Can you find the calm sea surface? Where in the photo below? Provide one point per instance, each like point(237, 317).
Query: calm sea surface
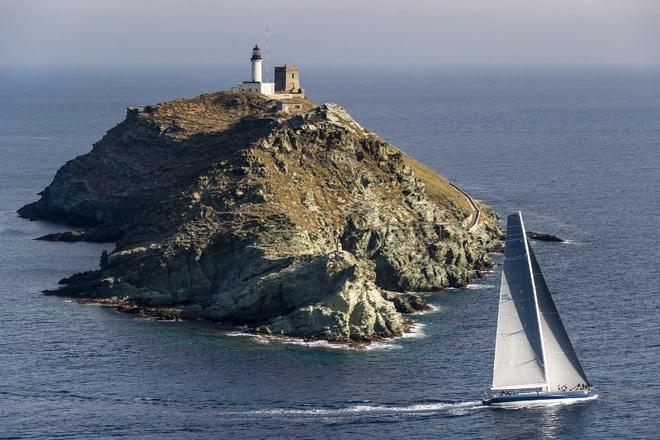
point(577, 151)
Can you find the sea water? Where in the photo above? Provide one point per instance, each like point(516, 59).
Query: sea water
point(577, 151)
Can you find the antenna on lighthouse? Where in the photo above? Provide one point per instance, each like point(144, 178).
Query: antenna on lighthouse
point(267, 43)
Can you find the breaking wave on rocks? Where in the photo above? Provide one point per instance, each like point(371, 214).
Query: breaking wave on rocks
point(286, 340)
point(479, 286)
point(415, 332)
point(430, 310)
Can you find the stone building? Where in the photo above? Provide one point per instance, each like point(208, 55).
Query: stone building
point(287, 79)
point(287, 107)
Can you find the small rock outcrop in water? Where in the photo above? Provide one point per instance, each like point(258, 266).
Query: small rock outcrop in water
point(540, 236)
point(297, 224)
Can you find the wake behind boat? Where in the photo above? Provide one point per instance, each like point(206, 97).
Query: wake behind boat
point(535, 363)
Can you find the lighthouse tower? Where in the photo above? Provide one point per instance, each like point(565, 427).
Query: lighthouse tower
point(256, 64)
point(256, 85)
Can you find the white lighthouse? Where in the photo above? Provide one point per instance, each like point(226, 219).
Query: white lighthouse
point(256, 85)
point(256, 64)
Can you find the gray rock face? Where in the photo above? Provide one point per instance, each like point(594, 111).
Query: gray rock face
point(339, 301)
point(305, 225)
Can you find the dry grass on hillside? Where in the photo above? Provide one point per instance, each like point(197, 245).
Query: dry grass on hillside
point(438, 189)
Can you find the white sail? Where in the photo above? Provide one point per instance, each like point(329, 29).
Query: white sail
point(518, 345)
point(563, 368)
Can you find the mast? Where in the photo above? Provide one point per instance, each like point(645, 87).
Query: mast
point(267, 50)
point(536, 303)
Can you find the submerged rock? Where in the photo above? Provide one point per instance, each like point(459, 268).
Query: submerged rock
point(302, 224)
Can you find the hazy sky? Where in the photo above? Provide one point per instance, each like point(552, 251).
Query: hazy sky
point(307, 32)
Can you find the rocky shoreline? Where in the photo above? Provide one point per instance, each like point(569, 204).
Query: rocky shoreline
point(304, 225)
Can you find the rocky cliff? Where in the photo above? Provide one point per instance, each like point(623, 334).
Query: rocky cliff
point(300, 224)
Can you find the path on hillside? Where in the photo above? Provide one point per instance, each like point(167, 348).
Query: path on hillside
point(476, 212)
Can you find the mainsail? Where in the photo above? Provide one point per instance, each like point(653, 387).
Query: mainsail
point(532, 348)
point(518, 348)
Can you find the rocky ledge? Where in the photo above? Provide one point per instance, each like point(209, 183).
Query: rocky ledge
point(300, 224)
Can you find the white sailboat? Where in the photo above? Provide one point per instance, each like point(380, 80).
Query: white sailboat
point(535, 363)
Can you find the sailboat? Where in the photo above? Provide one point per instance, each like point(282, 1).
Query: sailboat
point(535, 363)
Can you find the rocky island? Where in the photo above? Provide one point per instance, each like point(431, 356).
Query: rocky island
point(298, 223)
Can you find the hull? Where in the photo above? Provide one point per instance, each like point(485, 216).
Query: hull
point(526, 400)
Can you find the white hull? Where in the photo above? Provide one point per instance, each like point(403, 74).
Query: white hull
point(542, 402)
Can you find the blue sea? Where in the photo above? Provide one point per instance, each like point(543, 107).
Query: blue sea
point(576, 150)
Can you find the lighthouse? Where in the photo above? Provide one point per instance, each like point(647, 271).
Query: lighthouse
point(286, 85)
point(255, 85)
point(256, 64)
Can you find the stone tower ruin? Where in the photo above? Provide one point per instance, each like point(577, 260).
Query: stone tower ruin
point(287, 79)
